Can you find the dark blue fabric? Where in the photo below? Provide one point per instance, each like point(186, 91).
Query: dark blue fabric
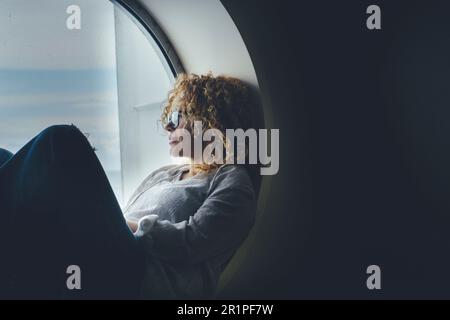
point(57, 209)
point(5, 155)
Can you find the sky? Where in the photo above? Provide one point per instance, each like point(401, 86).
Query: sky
point(33, 35)
point(52, 75)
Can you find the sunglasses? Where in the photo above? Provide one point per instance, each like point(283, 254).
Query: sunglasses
point(173, 120)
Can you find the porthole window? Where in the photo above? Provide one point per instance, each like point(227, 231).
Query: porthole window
point(95, 64)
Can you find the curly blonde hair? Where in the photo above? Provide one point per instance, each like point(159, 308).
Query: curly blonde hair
point(220, 102)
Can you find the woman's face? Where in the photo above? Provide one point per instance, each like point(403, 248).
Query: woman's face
point(176, 136)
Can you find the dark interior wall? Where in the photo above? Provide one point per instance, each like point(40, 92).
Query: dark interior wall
point(364, 120)
point(267, 271)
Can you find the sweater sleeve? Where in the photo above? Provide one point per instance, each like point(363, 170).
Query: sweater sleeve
point(220, 224)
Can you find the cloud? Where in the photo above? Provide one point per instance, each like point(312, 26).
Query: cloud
point(31, 81)
point(81, 100)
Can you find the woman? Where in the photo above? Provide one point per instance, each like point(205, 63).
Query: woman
point(174, 237)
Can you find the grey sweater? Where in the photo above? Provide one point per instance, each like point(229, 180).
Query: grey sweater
point(190, 228)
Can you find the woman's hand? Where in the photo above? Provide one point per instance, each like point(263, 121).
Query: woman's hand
point(132, 225)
